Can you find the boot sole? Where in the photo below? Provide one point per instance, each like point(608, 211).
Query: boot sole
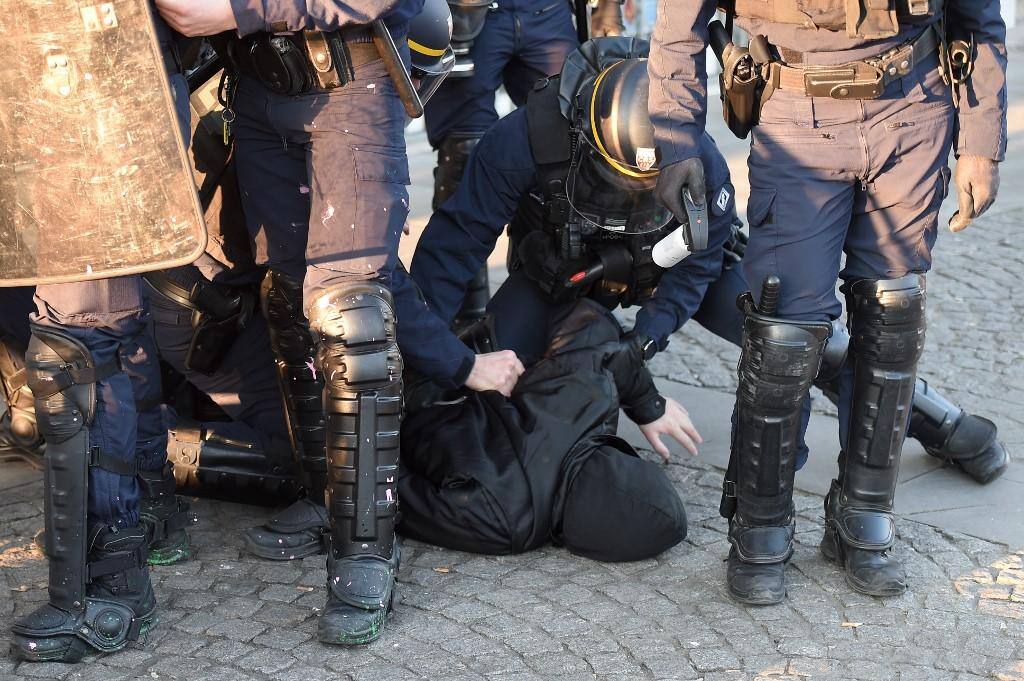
point(757, 600)
point(285, 555)
point(344, 638)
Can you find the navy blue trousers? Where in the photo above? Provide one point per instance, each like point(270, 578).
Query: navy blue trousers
point(521, 41)
point(110, 318)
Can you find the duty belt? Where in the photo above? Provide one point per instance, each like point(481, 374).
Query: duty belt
point(865, 79)
point(294, 63)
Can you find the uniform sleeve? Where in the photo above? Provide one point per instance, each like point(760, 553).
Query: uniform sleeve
point(678, 76)
point(981, 124)
point(426, 342)
point(276, 16)
point(463, 232)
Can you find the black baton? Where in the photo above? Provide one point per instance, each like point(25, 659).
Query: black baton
point(396, 69)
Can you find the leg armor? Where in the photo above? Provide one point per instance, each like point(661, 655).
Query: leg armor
point(99, 591)
point(452, 156)
point(779, 361)
point(887, 325)
point(358, 356)
point(297, 531)
point(967, 441)
point(207, 464)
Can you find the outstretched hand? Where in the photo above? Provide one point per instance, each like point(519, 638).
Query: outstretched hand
point(676, 423)
point(495, 371)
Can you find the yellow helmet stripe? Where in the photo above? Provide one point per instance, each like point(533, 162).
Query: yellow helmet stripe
point(625, 170)
point(423, 49)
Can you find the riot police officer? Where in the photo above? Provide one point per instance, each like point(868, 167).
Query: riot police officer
point(322, 168)
point(854, 124)
point(109, 499)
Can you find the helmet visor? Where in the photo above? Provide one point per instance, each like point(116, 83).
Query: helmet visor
point(429, 78)
point(611, 200)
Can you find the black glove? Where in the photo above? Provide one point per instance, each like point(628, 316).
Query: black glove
point(606, 20)
point(685, 176)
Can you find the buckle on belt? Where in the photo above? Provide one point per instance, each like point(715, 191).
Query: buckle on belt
point(857, 80)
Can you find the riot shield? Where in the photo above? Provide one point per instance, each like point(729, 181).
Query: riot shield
point(94, 181)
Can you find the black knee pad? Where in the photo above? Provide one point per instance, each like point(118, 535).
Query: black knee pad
point(619, 507)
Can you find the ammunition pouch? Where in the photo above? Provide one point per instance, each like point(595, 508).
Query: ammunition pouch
point(219, 313)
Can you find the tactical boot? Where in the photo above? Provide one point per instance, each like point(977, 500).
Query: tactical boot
point(755, 583)
point(120, 604)
point(947, 432)
point(360, 594)
point(973, 446)
point(165, 516)
point(298, 531)
point(869, 571)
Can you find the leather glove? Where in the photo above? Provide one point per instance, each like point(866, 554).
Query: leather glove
point(977, 183)
point(685, 175)
point(606, 20)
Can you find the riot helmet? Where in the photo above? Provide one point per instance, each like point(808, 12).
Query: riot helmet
point(430, 49)
point(614, 165)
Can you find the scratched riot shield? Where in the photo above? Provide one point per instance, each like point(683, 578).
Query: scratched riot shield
point(94, 181)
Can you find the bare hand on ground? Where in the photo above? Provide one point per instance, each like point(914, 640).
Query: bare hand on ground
point(675, 423)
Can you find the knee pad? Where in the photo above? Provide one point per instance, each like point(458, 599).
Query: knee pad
point(618, 507)
point(356, 327)
point(281, 304)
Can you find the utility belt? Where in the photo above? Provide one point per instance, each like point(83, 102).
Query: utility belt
point(750, 76)
point(219, 313)
point(297, 63)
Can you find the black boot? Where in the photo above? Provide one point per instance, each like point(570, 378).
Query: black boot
point(165, 516)
point(779, 361)
point(120, 605)
point(300, 529)
point(887, 325)
point(100, 596)
point(947, 432)
point(359, 358)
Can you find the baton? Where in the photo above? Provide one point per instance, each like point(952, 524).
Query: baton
point(396, 69)
point(582, 21)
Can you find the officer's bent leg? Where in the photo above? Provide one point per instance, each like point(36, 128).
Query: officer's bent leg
point(100, 595)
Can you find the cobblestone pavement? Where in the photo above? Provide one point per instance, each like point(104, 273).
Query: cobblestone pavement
point(549, 615)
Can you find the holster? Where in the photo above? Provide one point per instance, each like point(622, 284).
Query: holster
point(741, 92)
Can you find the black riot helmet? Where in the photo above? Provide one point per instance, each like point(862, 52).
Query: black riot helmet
point(430, 37)
point(614, 166)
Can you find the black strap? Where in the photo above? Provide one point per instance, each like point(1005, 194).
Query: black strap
point(116, 564)
point(69, 375)
point(100, 459)
point(551, 144)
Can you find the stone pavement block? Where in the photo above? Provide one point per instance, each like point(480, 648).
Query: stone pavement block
point(237, 629)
